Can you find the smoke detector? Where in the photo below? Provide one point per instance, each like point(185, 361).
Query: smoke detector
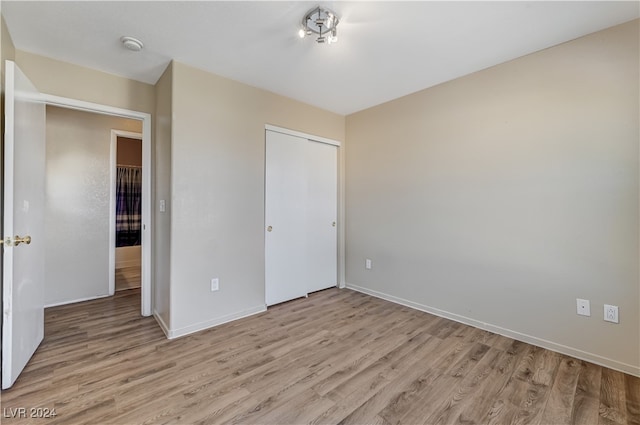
point(132, 44)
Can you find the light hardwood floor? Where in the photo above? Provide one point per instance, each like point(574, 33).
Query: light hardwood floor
point(337, 357)
point(128, 278)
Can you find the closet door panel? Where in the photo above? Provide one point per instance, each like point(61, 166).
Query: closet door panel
point(286, 206)
point(322, 198)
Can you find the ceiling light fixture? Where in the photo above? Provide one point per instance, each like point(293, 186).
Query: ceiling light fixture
point(320, 21)
point(132, 44)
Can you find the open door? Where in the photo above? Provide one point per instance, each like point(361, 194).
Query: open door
point(23, 244)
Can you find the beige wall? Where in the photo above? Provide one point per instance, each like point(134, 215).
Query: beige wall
point(7, 50)
point(58, 78)
point(218, 192)
point(162, 191)
point(77, 216)
point(501, 197)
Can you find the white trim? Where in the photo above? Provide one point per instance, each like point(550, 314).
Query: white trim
point(127, 134)
point(147, 224)
point(162, 324)
point(550, 345)
point(342, 262)
point(176, 333)
point(301, 134)
point(81, 105)
point(79, 300)
point(113, 165)
point(7, 254)
point(113, 155)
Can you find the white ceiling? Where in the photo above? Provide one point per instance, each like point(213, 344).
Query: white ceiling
point(385, 49)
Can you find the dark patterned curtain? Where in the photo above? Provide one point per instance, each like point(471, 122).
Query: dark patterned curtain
point(128, 206)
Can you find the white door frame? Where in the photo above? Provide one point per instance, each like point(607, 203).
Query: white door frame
point(113, 165)
point(341, 192)
point(147, 224)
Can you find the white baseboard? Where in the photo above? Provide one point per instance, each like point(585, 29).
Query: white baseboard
point(161, 322)
point(176, 333)
point(79, 300)
point(563, 349)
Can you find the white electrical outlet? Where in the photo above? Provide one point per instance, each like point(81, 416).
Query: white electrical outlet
point(611, 313)
point(215, 284)
point(583, 307)
point(367, 264)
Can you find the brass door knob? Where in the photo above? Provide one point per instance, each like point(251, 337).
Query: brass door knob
point(15, 241)
point(18, 240)
point(269, 228)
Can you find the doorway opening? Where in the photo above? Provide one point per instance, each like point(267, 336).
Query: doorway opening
point(143, 134)
point(126, 204)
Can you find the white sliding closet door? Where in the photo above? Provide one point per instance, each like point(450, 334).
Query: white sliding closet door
point(322, 173)
point(286, 218)
point(300, 212)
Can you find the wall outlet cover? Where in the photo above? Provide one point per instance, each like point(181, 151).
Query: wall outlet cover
point(583, 307)
point(611, 313)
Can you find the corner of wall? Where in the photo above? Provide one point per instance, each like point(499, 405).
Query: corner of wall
point(163, 92)
point(490, 198)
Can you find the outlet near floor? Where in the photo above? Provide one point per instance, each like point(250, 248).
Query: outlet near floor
point(215, 284)
point(611, 313)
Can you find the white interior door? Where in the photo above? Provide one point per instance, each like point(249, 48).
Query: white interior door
point(24, 195)
point(322, 213)
point(285, 218)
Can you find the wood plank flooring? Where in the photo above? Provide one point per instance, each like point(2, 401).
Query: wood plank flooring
point(128, 278)
point(337, 357)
